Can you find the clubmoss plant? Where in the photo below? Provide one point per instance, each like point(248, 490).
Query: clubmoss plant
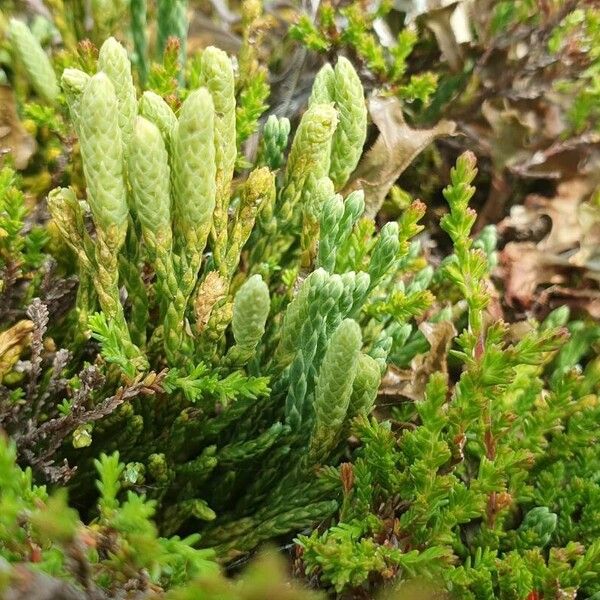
point(213, 366)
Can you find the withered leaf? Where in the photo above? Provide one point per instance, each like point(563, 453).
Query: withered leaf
point(28, 584)
point(212, 290)
point(393, 151)
point(410, 383)
point(511, 129)
point(440, 336)
point(448, 32)
point(565, 258)
point(12, 342)
point(526, 268)
point(564, 210)
point(564, 159)
point(14, 139)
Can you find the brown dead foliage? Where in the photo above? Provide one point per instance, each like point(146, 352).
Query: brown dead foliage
point(543, 177)
point(395, 148)
point(14, 139)
point(410, 383)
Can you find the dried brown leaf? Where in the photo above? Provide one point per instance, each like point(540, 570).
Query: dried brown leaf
point(14, 139)
point(565, 211)
point(212, 290)
point(566, 255)
point(27, 584)
point(411, 383)
point(511, 131)
point(563, 159)
point(395, 148)
point(12, 342)
point(525, 268)
point(445, 29)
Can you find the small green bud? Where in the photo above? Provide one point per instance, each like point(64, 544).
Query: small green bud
point(82, 436)
point(354, 207)
point(361, 289)
point(333, 210)
point(381, 349)
point(251, 306)
point(133, 473)
point(74, 82)
point(297, 311)
point(158, 468)
point(323, 89)
point(365, 386)
point(274, 142)
point(334, 389)
point(537, 528)
point(155, 109)
point(385, 253)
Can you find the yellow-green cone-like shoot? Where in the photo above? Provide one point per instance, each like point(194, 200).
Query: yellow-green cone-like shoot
point(250, 310)
point(309, 155)
point(312, 137)
point(155, 109)
point(152, 107)
point(334, 389)
point(258, 191)
point(365, 386)
point(297, 313)
point(113, 60)
point(351, 132)
point(149, 178)
point(195, 169)
point(323, 89)
point(34, 59)
point(218, 78)
point(102, 153)
point(342, 86)
point(74, 82)
point(313, 206)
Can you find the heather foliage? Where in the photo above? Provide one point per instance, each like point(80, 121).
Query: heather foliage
point(466, 483)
